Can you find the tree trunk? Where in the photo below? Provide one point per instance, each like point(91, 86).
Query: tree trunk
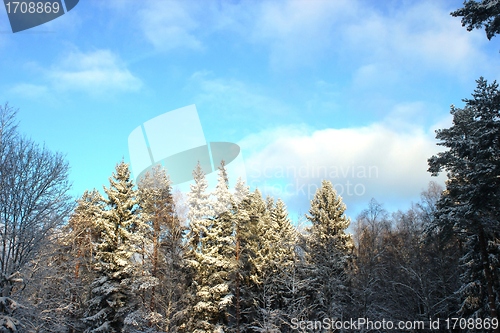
point(237, 282)
point(487, 274)
point(154, 273)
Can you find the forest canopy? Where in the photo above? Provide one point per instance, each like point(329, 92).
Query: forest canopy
point(143, 258)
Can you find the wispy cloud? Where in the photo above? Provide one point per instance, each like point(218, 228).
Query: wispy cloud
point(28, 90)
point(98, 72)
point(419, 37)
point(234, 92)
point(237, 101)
point(170, 25)
point(299, 32)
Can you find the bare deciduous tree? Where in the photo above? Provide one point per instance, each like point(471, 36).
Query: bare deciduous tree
point(33, 199)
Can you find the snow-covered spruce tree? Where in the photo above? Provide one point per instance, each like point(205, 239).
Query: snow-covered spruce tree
point(280, 296)
point(199, 211)
point(470, 206)
point(240, 216)
point(282, 237)
point(241, 191)
point(479, 14)
point(252, 220)
point(210, 255)
point(222, 197)
point(117, 251)
point(329, 251)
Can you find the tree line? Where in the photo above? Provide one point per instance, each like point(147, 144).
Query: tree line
point(139, 259)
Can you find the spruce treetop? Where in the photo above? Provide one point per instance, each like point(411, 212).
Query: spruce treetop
point(473, 158)
point(121, 186)
point(199, 206)
point(327, 210)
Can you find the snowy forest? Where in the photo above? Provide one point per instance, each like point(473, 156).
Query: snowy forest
point(141, 257)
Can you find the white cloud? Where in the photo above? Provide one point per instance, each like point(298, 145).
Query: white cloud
point(233, 92)
point(29, 90)
point(40, 93)
point(416, 35)
point(419, 37)
point(170, 24)
point(299, 32)
point(363, 162)
point(237, 102)
point(98, 72)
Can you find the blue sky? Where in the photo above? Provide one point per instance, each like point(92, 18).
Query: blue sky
point(346, 90)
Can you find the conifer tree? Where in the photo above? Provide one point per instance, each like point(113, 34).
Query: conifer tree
point(252, 220)
point(211, 242)
point(200, 209)
point(470, 206)
point(121, 236)
point(476, 15)
point(279, 297)
point(329, 250)
point(282, 236)
point(241, 218)
point(223, 198)
point(241, 191)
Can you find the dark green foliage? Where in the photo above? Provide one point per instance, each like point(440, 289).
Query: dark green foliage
point(469, 209)
point(476, 15)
